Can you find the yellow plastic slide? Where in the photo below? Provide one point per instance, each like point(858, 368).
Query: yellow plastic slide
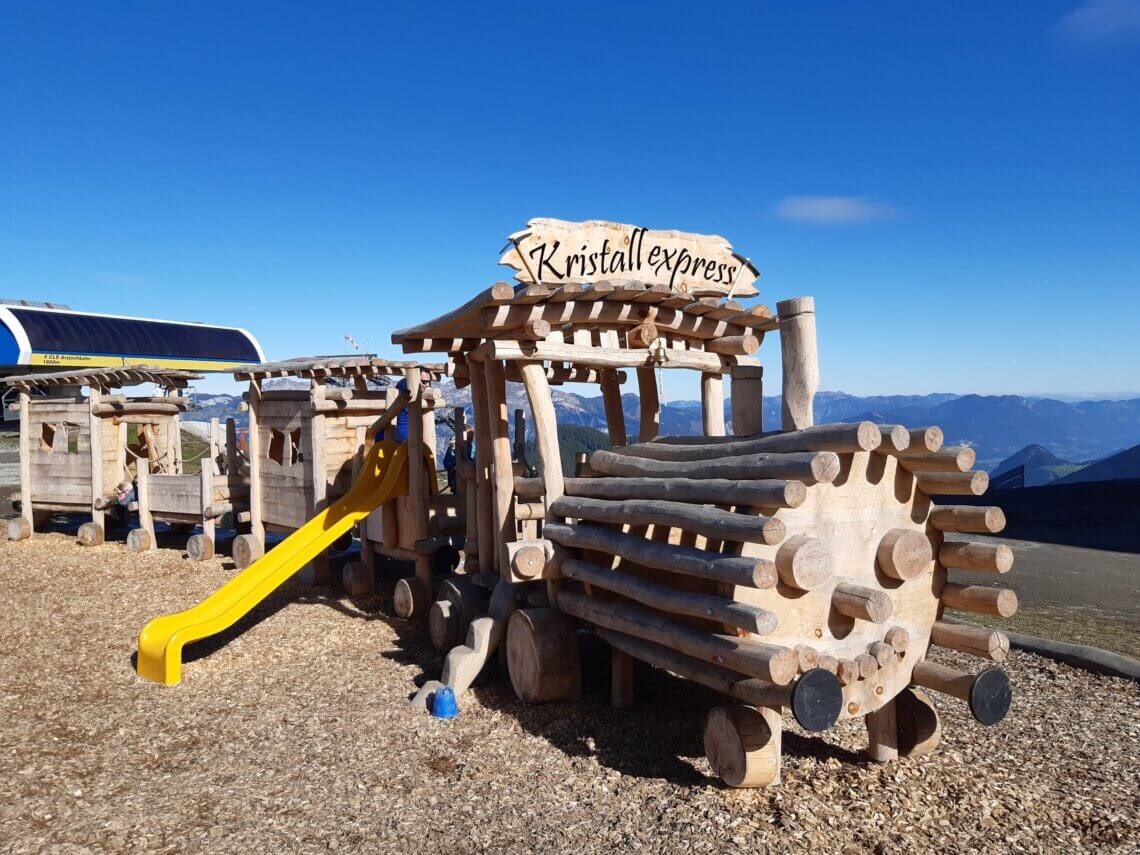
point(383, 477)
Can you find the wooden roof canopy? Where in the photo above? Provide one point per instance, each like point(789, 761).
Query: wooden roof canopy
point(654, 317)
point(317, 368)
point(108, 378)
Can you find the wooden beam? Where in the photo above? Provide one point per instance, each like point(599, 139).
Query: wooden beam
point(712, 404)
point(704, 520)
point(755, 658)
point(688, 561)
point(809, 467)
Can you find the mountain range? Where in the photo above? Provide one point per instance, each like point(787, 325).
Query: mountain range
point(998, 427)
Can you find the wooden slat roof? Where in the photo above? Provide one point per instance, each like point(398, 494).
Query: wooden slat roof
point(108, 378)
point(333, 366)
point(503, 309)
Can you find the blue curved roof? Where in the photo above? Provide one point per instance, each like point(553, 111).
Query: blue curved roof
point(31, 335)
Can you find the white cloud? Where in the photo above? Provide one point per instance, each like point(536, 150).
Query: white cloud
point(831, 210)
point(1096, 21)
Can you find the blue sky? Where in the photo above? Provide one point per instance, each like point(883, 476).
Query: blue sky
point(958, 185)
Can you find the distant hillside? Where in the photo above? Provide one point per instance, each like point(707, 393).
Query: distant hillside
point(997, 427)
point(1041, 465)
point(1118, 467)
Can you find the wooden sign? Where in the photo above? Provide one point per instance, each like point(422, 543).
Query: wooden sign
point(556, 252)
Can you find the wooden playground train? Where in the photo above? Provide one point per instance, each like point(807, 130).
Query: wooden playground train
point(803, 569)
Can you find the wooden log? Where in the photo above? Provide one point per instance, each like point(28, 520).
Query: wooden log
point(952, 483)
point(800, 356)
point(904, 554)
point(527, 558)
point(746, 400)
point(884, 654)
point(919, 730)
point(840, 438)
point(648, 403)
point(484, 498)
point(766, 493)
point(621, 679)
point(979, 600)
point(985, 557)
point(856, 601)
point(868, 665)
point(98, 488)
point(815, 699)
point(444, 625)
point(500, 292)
point(533, 330)
point(742, 745)
point(546, 433)
point(742, 615)
point(813, 467)
point(728, 569)
point(358, 579)
point(988, 693)
point(896, 439)
point(883, 733)
point(712, 404)
point(246, 549)
point(971, 519)
point(528, 511)
point(502, 472)
point(598, 357)
point(217, 509)
point(807, 658)
point(922, 441)
point(766, 661)
point(139, 540)
point(19, 528)
point(542, 656)
point(90, 534)
point(804, 563)
point(199, 548)
point(983, 642)
point(411, 598)
point(27, 512)
point(848, 672)
point(898, 638)
point(956, 458)
point(829, 663)
point(138, 408)
point(708, 521)
point(611, 399)
point(734, 345)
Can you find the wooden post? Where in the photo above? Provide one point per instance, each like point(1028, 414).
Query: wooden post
point(747, 400)
point(800, 361)
point(257, 527)
point(418, 492)
point(546, 432)
point(95, 426)
point(215, 450)
point(206, 479)
point(502, 472)
point(314, 463)
point(883, 733)
point(712, 403)
point(621, 679)
point(146, 521)
point(233, 464)
point(485, 518)
point(611, 399)
point(174, 443)
point(26, 458)
point(650, 405)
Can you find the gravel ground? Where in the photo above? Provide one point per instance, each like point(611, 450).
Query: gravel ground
point(294, 734)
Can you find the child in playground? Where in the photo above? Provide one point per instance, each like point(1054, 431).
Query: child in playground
point(119, 510)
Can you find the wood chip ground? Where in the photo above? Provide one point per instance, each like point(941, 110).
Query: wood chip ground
point(295, 735)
